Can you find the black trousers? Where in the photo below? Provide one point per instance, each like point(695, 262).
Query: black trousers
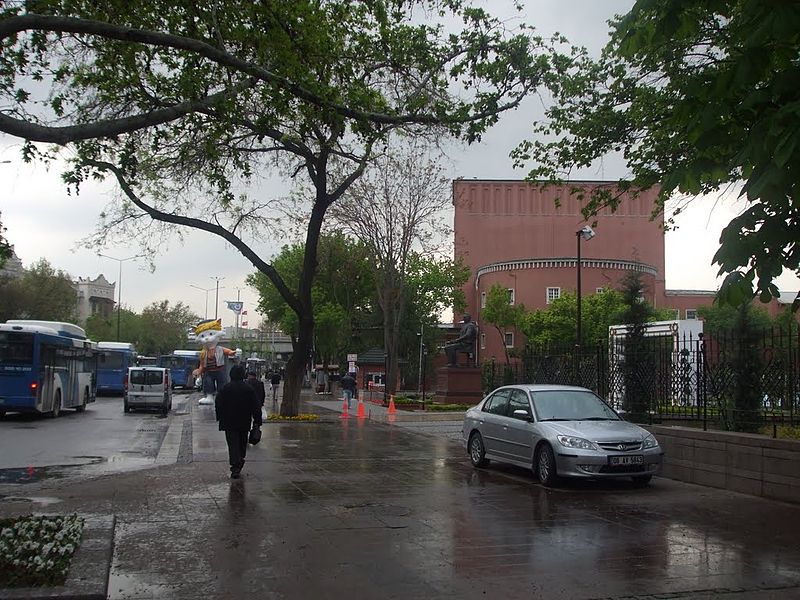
point(237, 448)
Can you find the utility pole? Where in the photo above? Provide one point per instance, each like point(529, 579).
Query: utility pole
point(216, 298)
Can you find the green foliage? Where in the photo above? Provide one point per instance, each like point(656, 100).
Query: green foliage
point(159, 329)
point(742, 411)
point(696, 96)
point(5, 247)
point(723, 318)
point(343, 292)
point(42, 293)
point(499, 312)
point(638, 367)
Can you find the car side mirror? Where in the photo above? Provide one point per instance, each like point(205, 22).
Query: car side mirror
point(523, 415)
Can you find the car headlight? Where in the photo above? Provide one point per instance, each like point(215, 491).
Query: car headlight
point(576, 442)
point(650, 442)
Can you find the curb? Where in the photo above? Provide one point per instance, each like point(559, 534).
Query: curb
point(88, 573)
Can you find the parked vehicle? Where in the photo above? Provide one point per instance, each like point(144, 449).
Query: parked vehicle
point(114, 359)
point(148, 387)
point(45, 366)
point(146, 361)
point(181, 363)
point(558, 431)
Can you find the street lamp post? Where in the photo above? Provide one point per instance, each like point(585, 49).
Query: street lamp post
point(421, 363)
point(216, 300)
point(585, 233)
point(206, 290)
point(119, 285)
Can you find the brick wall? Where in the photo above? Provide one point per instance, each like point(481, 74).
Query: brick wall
point(740, 462)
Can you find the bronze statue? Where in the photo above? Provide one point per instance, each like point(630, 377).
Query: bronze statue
point(465, 342)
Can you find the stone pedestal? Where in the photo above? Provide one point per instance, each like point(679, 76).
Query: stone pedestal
point(458, 385)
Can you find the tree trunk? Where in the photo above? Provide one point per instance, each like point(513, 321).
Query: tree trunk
point(295, 369)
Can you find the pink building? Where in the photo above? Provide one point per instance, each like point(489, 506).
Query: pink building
point(513, 233)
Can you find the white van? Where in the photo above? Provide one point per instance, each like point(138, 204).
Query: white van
point(148, 387)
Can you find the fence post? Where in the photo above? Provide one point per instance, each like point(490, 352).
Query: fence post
point(702, 374)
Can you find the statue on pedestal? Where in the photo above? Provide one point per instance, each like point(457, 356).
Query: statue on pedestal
point(465, 342)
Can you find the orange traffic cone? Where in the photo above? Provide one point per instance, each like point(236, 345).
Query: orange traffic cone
point(361, 414)
point(345, 410)
point(392, 409)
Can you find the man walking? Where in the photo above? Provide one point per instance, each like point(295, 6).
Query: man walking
point(237, 410)
point(258, 386)
point(275, 381)
point(348, 387)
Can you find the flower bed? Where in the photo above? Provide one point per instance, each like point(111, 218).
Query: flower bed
point(447, 407)
point(36, 551)
point(300, 417)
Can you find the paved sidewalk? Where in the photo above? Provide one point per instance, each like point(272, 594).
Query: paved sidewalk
point(349, 508)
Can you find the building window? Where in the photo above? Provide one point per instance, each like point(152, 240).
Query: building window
point(510, 295)
point(553, 293)
point(509, 339)
point(599, 290)
point(483, 341)
point(483, 299)
point(691, 313)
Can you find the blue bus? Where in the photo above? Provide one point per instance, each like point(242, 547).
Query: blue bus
point(113, 360)
point(45, 366)
point(181, 363)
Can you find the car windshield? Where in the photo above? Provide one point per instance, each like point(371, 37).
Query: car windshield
point(571, 405)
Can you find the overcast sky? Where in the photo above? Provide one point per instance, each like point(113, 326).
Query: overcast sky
point(44, 222)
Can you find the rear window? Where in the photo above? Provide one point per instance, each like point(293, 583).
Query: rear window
point(146, 377)
point(16, 348)
point(111, 360)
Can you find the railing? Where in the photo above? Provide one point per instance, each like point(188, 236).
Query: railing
point(725, 381)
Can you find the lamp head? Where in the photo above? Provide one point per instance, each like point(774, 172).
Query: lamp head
point(586, 233)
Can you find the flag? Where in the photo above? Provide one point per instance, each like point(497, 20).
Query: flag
point(244, 323)
point(244, 313)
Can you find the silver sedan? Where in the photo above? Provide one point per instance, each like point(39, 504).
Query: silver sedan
point(558, 430)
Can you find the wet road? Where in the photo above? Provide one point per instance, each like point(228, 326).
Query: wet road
point(343, 509)
point(103, 439)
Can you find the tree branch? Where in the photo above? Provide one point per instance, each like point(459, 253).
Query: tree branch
point(216, 229)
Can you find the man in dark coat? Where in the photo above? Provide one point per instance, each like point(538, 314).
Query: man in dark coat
point(254, 382)
point(348, 387)
point(237, 411)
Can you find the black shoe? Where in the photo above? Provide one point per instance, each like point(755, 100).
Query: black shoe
point(235, 474)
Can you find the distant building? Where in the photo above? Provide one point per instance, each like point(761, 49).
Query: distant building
point(95, 297)
point(12, 268)
point(515, 234)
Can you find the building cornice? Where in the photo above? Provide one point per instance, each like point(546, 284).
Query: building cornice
point(564, 263)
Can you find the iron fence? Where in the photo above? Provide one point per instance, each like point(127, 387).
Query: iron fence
point(719, 380)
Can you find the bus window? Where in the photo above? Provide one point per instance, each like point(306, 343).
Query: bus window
point(16, 348)
point(111, 360)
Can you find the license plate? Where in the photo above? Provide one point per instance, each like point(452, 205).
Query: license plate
point(636, 459)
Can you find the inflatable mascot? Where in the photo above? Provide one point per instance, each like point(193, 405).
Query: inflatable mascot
point(212, 358)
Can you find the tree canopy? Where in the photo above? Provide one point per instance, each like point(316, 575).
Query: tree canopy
point(188, 105)
point(42, 293)
point(696, 96)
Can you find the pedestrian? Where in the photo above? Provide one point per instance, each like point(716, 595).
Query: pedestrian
point(237, 410)
point(275, 381)
point(348, 383)
point(258, 386)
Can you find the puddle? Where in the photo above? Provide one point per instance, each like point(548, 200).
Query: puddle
point(42, 500)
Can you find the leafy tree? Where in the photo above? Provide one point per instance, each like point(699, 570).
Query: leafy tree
point(342, 293)
point(742, 410)
point(501, 313)
point(104, 329)
point(41, 293)
point(696, 96)
point(163, 327)
point(725, 318)
point(638, 366)
point(187, 104)
point(5, 247)
point(396, 206)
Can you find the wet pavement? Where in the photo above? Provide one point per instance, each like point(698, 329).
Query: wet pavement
point(348, 508)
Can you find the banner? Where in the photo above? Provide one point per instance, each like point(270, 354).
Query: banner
point(235, 306)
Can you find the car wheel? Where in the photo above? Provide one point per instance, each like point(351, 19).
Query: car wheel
point(56, 405)
point(546, 466)
point(477, 453)
point(125, 406)
point(642, 480)
point(83, 404)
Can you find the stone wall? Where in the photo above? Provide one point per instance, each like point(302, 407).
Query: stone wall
point(740, 462)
